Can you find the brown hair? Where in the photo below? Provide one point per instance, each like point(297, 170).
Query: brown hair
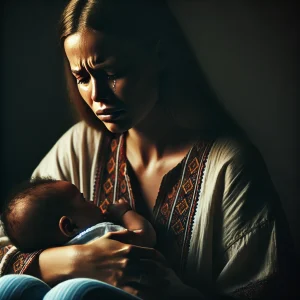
point(151, 24)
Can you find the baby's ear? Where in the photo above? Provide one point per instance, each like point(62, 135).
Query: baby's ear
point(67, 226)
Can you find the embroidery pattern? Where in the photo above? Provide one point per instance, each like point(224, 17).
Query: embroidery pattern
point(99, 171)
point(177, 223)
point(176, 206)
point(114, 184)
point(15, 262)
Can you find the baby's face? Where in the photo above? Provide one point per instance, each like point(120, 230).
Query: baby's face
point(84, 213)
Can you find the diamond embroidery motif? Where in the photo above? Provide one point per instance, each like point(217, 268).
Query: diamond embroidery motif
point(107, 186)
point(123, 186)
point(172, 193)
point(182, 206)
point(188, 186)
point(165, 208)
point(110, 165)
point(122, 169)
point(104, 205)
point(18, 264)
point(193, 166)
point(177, 227)
point(113, 145)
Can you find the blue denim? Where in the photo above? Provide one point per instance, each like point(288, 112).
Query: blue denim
point(23, 287)
point(26, 287)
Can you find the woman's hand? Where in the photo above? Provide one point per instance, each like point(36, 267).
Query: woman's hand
point(137, 270)
point(110, 259)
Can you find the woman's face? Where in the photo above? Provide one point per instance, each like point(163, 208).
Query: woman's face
point(115, 78)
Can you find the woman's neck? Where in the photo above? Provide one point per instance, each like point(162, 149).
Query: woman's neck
point(157, 137)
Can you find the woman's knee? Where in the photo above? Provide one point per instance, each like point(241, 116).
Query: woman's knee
point(85, 288)
point(22, 287)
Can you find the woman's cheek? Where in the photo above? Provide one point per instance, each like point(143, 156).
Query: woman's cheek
point(84, 94)
point(127, 90)
point(120, 90)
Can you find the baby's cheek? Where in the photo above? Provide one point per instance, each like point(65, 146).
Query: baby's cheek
point(94, 214)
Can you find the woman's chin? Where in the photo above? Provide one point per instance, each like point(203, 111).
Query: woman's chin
point(116, 128)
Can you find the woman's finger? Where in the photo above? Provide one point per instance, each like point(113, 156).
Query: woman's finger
point(137, 252)
point(124, 236)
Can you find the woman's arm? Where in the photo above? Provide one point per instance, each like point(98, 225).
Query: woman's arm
point(106, 259)
point(250, 247)
point(240, 246)
point(54, 265)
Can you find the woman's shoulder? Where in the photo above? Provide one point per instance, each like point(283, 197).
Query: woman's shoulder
point(238, 150)
point(82, 131)
point(74, 155)
point(80, 135)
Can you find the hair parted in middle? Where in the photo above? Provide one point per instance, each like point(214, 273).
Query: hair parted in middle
point(151, 25)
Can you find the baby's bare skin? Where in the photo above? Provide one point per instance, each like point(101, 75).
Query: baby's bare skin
point(122, 213)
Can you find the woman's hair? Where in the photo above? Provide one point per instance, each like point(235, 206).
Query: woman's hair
point(150, 24)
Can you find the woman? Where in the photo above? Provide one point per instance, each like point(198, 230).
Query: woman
point(154, 134)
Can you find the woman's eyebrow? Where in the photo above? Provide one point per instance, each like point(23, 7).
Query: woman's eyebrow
point(103, 65)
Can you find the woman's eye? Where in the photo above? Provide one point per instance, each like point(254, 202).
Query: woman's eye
point(112, 76)
point(82, 80)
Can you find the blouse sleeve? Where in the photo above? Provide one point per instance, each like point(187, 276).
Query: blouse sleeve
point(73, 158)
point(240, 246)
point(253, 257)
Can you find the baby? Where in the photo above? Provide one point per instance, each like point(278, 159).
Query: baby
point(46, 213)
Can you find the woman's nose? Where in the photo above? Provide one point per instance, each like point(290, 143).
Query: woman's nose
point(100, 90)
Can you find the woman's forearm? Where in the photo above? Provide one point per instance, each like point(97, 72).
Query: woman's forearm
point(54, 265)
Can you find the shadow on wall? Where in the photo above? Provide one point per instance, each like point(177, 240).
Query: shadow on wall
point(34, 106)
point(248, 50)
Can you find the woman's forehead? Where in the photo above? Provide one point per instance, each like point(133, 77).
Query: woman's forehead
point(87, 45)
point(96, 47)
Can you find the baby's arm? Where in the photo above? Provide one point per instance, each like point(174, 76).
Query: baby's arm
point(122, 213)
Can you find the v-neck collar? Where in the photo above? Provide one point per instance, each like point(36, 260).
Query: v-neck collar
point(175, 207)
point(167, 177)
point(116, 174)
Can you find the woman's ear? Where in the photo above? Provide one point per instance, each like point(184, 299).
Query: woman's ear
point(67, 226)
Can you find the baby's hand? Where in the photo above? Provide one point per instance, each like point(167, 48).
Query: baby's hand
point(117, 210)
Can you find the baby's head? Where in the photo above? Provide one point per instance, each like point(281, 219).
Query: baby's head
point(44, 213)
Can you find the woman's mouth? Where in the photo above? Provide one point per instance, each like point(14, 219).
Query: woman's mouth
point(109, 115)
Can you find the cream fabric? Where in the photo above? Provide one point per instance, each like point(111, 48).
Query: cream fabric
point(233, 238)
point(74, 158)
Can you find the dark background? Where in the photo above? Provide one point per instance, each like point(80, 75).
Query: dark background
point(248, 49)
